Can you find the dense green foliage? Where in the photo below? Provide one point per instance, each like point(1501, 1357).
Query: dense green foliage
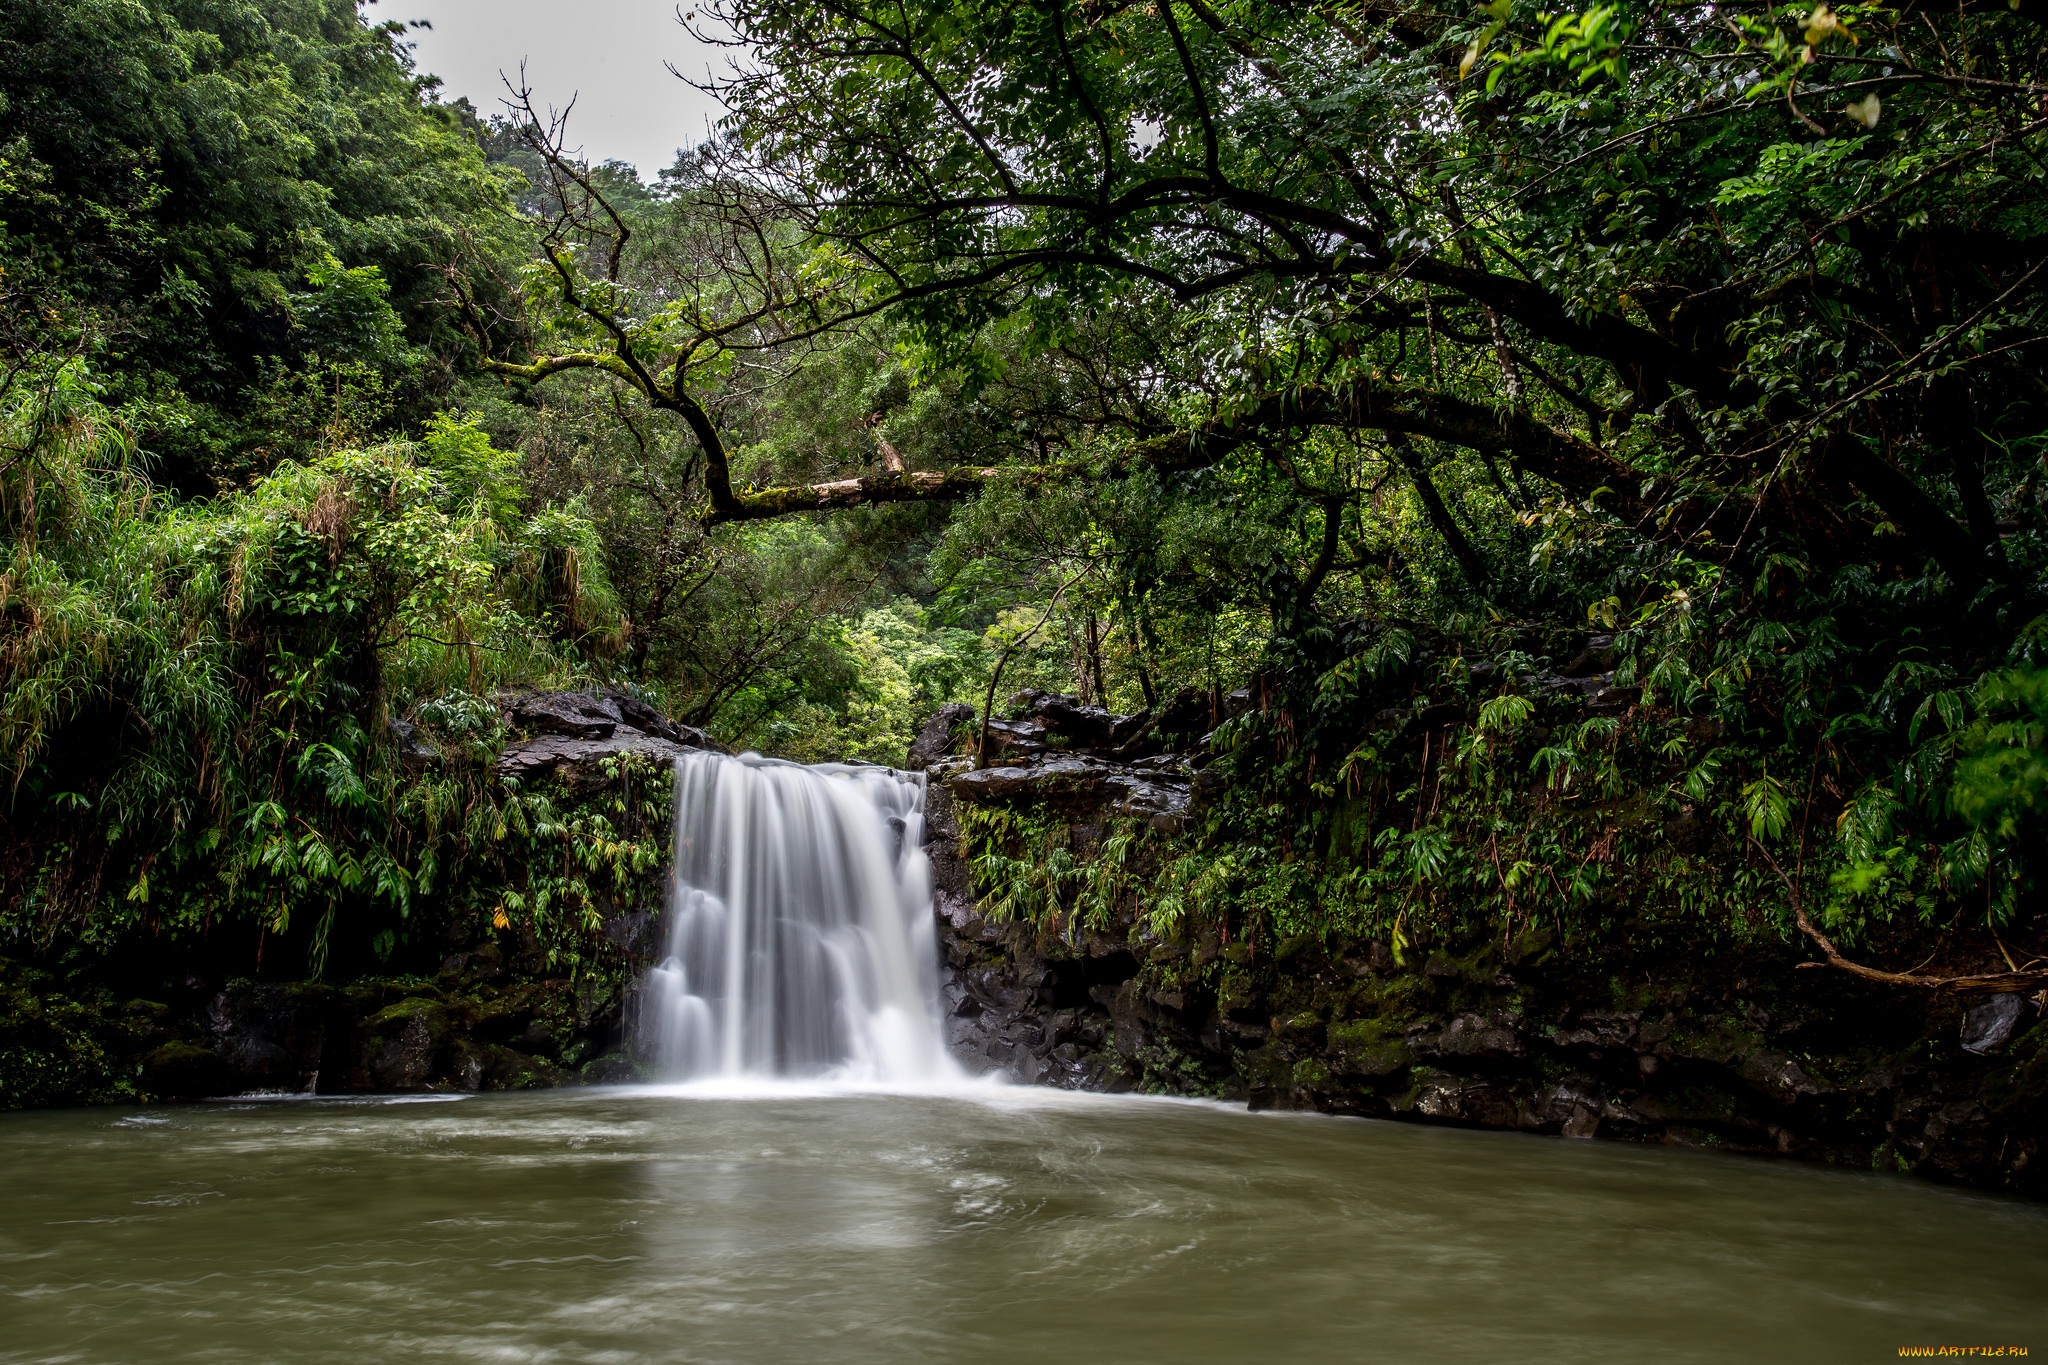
point(1374, 360)
point(177, 183)
point(1718, 330)
point(207, 682)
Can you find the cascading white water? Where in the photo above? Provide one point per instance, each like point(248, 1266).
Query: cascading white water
point(801, 941)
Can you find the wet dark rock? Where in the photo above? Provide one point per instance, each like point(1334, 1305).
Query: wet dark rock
point(1014, 738)
point(638, 934)
point(580, 760)
point(1588, 689)
point(579, 730)
point(1454, 1038)
point(1125, 730)
point(1083, 726)
point(1066, 723)
point(1457, 1099)
point(1616, 698)
point(1082, 787)
point(1362, 1048)
point(415, 750)
point(1184, 716)
point(1596, 657)
point(1778, 1076)
point(404, 1059)
point(1472, 1035)
point(487, 963)
point(459, 1033)
point(940, 736)
point(1062, 779)
point(574, 714)
point(1988, 1027)
point(637, 714)
point(1570, 1108)
point(182, 1071)
point(1597, 1029)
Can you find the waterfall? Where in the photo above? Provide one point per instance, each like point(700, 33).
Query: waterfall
point(800, 938)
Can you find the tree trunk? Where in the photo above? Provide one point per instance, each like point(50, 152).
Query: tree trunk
point(1469, 559)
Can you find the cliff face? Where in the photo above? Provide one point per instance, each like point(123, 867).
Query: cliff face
point(482, 1023)
point(1736, 1049)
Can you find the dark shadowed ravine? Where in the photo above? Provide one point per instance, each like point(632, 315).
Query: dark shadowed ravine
point(986, 1225)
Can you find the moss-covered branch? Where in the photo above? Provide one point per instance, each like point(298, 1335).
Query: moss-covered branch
point(547, 365)
point(899, 486)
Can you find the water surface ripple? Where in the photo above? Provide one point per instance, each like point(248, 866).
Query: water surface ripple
point(997, 1226)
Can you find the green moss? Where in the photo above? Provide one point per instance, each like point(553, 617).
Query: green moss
point(1310, 1074)
point(57, 1047)
point(1369, 1047)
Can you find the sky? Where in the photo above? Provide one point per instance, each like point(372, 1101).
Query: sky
point(608, 54)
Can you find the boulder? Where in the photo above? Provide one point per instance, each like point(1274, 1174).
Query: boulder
point(1573, 1108)
point(1454, 1099)
point(415, 751)
point(1989, 1026)
point(577, 715)
point(1015, 738)
point(1065, 778)
point(182, 1070)
point(1476, 1036)
point(1614, 699)
point(1587, 687)
point(1081, 784)
point(939, 736)
point(1160, 799)
point(579, 730)
point(1599, 1029)
point(598, 715)
point(1441, 716)
point(1085, 727)
point(1075, 725)
point(648, 721)
point(402, 1060)
point(579, 760)
point(1777, 1076)
point(1124, 729)
point(1187, 714)
point(1596, 657)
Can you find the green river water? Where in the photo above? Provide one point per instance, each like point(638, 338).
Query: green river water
point(989, 1226)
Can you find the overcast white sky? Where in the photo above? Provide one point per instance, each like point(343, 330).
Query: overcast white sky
point(607, 53)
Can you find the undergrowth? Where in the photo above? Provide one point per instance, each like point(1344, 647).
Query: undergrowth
point(1420, 787)
point(195, 698)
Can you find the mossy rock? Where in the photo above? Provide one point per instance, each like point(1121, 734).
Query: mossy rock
point(1310, 1074)
point(1294, 946)
point(56, 1049)
point(1368, 1047)
point(182, 1070)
